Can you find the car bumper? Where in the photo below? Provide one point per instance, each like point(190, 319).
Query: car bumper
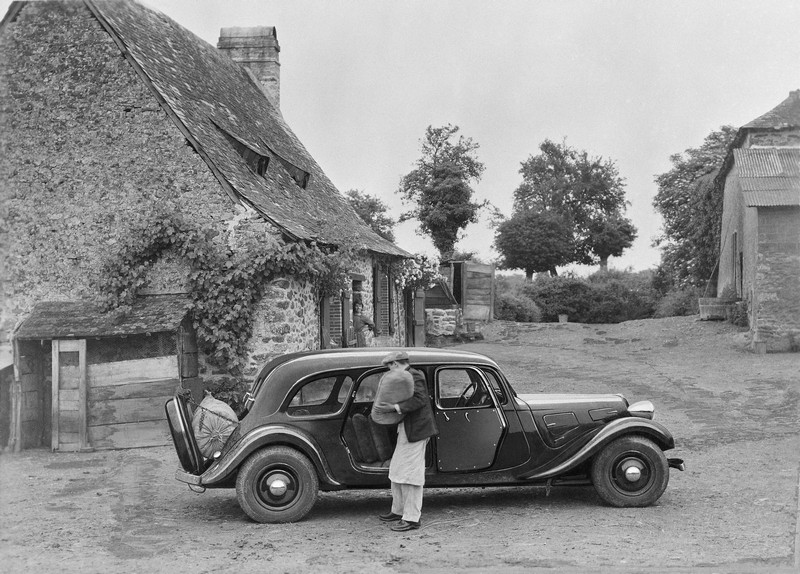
point(188, 478)
point(676, 463)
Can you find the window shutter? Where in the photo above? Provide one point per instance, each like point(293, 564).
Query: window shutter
point(335, 321)
point(390, 302)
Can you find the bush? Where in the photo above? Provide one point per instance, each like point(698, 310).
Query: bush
point(560, 295)
point(619, 296)
point(678, 303)
point(511, 306)
point(610, 297)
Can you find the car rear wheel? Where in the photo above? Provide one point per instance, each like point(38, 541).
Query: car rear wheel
point(631, 471)
point(277, 484)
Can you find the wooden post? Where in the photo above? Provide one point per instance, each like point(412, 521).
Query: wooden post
point(83, 443)
point(15, 440)
point(54, 403)
point(419, 318)
point(78, 346)
point(347, 319)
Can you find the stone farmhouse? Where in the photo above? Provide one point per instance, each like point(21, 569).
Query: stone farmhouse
point(115, 118)
point(760, 242)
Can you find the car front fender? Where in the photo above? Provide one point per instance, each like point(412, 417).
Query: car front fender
point(613, 430)
point(262, 437)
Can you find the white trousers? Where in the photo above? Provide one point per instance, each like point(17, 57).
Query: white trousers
point(407, 501)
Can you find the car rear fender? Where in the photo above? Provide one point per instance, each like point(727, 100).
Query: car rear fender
point(613, 430)
point(271, 435)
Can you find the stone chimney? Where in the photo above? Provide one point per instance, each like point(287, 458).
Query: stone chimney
point(257, 50)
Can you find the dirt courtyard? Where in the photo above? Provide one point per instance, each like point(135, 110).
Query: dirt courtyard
point(735, 416)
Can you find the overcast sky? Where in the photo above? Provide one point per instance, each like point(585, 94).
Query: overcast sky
point(631, 80)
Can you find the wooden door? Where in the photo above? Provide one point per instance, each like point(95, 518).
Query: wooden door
point(68, 425)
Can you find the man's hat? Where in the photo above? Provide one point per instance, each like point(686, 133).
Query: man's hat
point(395, 356)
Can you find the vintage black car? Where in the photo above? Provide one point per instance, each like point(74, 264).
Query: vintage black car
point(306, 427)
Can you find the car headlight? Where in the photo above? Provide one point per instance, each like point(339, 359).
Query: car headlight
point(643, 409)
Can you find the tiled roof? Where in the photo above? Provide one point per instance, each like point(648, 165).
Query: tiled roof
point(769, 176)
point(785, 115)
point(210, 95)
point(72, 319)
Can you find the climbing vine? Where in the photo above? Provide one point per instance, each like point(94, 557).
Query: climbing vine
point(420, 272)
point(225, 283)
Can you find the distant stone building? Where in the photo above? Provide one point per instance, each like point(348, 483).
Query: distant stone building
point(110, 112)
point(760, 243)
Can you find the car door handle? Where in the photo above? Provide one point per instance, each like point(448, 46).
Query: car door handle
point(446, 417)
point(466, 416)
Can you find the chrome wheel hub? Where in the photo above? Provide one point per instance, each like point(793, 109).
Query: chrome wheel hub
point(278, 487)
point(632, 473)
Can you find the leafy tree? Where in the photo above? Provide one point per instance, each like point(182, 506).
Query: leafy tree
point(691, 206)
point(586, 192)
point(439, 187)
point(609, 237)
point(535, 241)
point(373, 211)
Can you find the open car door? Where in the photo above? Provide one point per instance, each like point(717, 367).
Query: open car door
point(471, 425)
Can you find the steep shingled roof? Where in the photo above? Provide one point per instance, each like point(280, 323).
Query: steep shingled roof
point(784, 115)
point(213, 99)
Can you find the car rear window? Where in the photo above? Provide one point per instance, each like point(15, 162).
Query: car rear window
point(322, 395)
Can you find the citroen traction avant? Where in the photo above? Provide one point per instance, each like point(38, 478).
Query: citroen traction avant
point(305, 427)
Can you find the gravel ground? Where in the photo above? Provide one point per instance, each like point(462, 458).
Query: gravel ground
point(735, 416)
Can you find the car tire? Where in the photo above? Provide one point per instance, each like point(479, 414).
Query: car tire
point(630, 471)
point(277, 484)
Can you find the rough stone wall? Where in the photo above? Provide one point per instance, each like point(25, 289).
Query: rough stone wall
point(749, 264)
point(85, 151)
point(286, 320)
point(399, 316)
point(442, 322)
point(774, 138)
point(778, 277)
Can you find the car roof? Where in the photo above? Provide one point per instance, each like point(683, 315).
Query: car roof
point(293, 366)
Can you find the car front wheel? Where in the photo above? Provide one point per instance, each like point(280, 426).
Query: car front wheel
point(277, 484)
point(631, 471)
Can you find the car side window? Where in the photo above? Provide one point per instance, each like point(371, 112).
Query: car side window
point(368, 387)
point(497, 386)
point(323, 395)
point(460, 388)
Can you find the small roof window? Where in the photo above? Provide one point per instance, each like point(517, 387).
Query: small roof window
point(258, 163)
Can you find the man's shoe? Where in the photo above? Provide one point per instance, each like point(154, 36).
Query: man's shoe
point(390, 517)
point(405, 525)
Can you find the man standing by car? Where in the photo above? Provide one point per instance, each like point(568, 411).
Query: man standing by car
point(407, 467)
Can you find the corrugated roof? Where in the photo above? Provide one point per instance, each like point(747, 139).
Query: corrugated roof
point(769, 176)
point(784, 115)
point(210, 94)
point(772, 198)
point(768, 162)
point(75, 319)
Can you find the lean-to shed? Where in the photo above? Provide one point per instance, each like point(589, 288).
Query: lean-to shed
point(89, 380)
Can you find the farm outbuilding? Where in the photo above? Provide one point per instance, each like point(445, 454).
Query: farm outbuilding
point(472, 285)
point(90, 380)
point(462, 300)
